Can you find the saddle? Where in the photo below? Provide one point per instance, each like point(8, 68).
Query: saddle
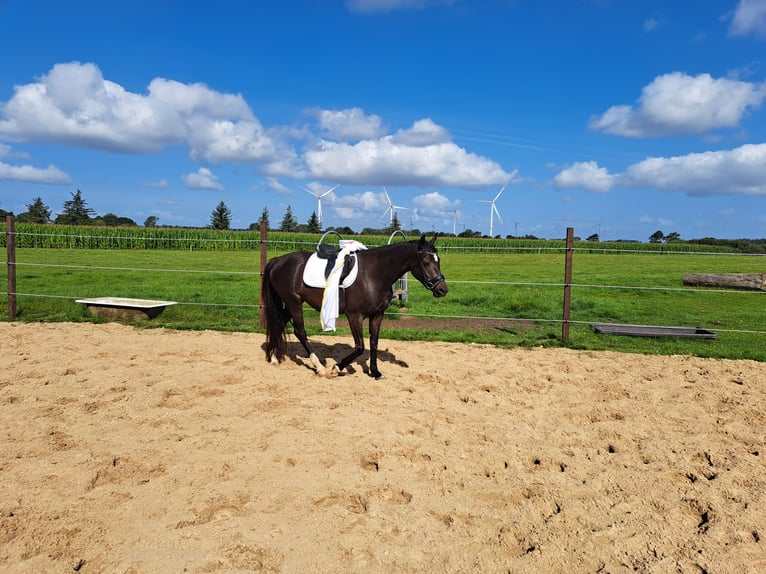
point(330, 254)
point(321, 264)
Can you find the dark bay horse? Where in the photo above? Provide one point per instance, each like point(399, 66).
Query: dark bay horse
point(284, 292)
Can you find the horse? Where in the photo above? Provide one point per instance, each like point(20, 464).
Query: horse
point(283, 293)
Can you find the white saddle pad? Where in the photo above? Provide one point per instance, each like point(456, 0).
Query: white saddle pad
point(313, 273)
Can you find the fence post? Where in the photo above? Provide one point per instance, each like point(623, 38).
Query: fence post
point(10, 242)
point(567, 284)
point(264, 255)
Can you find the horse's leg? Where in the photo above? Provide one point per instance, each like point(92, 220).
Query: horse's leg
point(356, 322)
point(300, 331)
point(375, 323)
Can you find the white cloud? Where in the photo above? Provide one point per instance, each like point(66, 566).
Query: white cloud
point(587, 175)
point(348, 125)
point(29, 174)
point(679, 104)
point(422, 133)
point(225, 140)
point(203, 178)
point(433, 203)
point(749, 18)
point(396, 160)
point(357, 205)
point(273, 184)
point(73, 104)
point(738, 171)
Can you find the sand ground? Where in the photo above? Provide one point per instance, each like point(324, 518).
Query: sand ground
point(145, 451)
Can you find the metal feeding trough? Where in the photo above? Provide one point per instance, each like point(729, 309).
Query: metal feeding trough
point(124, 307)
point(652, 331)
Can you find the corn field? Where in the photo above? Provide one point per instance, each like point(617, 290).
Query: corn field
point(174, 238)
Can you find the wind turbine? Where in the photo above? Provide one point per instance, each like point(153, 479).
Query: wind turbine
point(493, 209)
point(391, 207)
point(319, 197)
point(454, 219)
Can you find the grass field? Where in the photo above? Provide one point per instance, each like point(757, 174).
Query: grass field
point(522, 289)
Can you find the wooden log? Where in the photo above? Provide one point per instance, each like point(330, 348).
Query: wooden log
point(728, 280)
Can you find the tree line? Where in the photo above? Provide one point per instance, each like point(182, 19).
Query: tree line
point(75, 211)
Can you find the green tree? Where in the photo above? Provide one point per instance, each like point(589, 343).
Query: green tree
point(673, 237)
point(656, 237)
point(151, 221)
point(37, 212)
point(593, 238)
point(289, 223)
point(395, 224)
point(313, 223)
point(221, 217)
point(264, 218)
point(75, 211)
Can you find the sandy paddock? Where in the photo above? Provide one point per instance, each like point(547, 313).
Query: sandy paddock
point(131, 451)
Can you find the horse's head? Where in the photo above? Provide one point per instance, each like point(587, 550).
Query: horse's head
point(426, 268)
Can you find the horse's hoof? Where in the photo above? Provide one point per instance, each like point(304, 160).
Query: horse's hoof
point(274, 360)
point(378, 376)
point(333, 372)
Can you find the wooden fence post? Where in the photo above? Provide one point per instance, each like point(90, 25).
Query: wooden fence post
point(264, 256)
point(10, 242)
point(567, 284)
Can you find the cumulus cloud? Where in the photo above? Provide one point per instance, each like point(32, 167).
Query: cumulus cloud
point(203, 178)
point(30, 174)
point(348, 125)
point(406, 158)
point(587, 175)
point(738, 171)
point(679, 104)
point(749, 18)
point(433, 202)
point(74, 104)
point(358, 205)
point(422, 133)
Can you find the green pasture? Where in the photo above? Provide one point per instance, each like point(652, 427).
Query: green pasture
point(521, 289)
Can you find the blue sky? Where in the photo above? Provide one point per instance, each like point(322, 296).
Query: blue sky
point(616, 117)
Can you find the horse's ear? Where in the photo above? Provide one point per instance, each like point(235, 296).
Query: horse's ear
point(422, 242)
point(433, 240)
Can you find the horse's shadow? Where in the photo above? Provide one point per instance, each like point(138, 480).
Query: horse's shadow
point(335, 353)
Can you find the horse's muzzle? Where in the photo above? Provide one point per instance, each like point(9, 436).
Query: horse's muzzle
point(437, 286)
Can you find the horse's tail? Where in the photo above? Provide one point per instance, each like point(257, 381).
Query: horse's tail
point(275, 317)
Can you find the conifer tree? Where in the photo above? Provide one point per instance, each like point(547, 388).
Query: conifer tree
point(313, 223)
point(221, 217)
point(75, 211)
point(289, 223)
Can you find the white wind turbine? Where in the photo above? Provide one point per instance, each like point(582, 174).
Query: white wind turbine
point(493, 209)
point(319, 197)
point(391, 207)
point(454, 219)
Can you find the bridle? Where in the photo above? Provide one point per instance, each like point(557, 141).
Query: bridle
point(431, 283)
